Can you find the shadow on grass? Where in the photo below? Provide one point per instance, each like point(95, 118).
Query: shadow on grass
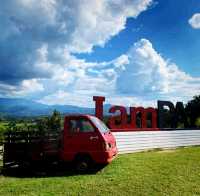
point(56, 170)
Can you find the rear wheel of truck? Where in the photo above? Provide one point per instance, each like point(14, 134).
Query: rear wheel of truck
point(83, 163)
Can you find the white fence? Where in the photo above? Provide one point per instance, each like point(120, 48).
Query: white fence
point(128, 142)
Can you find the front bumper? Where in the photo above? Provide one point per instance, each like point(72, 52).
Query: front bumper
point(107, 156)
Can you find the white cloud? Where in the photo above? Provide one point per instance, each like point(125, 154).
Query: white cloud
point(26, 87)
point(133, 101)
point(139, 77)
point(194, 21)
point(149, 74)
point(62, 27)
point(48, 31)
point(121, 61)
point(27, 16)
point(80, 24)
point(74, 75)
point(102, 20)
point(82, 99)
point(67, 98)
point(47, 10)
point(29, 86)
point(85, 22)
point(94, 85)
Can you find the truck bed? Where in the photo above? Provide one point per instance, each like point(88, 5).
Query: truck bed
point(25, 146)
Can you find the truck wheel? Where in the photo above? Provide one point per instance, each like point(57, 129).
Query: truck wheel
point(83, 164)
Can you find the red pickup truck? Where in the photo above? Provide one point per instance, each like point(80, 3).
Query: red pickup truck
point(84, 140)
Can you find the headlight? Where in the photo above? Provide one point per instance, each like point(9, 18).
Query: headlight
point(107, 146)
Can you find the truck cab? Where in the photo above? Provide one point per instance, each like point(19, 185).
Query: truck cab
point(87, 139)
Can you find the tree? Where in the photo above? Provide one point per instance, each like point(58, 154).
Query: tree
point(12, 126)
point(193, 112)
point(41, 125)
point(54, 122)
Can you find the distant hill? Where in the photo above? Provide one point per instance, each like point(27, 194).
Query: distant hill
point(23, 107)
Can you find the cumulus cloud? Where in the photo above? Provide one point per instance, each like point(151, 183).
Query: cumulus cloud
point(33, 31)
point(149, 74)
point(24, 88)
point(138, 77)
point(194, 21)
point(85, 100)
point(31, 86)
point(62, 97)
point(40, 39)
point(121, 61)
point(98, 21)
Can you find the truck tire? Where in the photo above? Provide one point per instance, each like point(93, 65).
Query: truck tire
point(83, 163)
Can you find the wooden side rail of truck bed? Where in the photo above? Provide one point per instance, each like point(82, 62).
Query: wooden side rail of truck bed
point(24, 146)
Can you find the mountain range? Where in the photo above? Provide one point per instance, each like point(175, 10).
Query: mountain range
point(22, 107)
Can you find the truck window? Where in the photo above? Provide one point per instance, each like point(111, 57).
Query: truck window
point(100, 125)
point(80, 126)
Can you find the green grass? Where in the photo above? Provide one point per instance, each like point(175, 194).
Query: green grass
point(175, 172)
point(3, 125)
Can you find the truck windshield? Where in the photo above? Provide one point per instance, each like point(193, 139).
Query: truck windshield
point(100, 125)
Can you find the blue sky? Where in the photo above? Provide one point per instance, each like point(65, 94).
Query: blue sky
point(133, 52)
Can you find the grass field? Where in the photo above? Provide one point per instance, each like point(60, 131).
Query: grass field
point(175, 172)
point(2, 129)
point(3, 125)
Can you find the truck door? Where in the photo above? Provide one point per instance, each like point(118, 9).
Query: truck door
point(82, 137)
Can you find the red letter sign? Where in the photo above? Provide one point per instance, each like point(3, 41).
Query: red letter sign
point(99, 106)
point(113, 119)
